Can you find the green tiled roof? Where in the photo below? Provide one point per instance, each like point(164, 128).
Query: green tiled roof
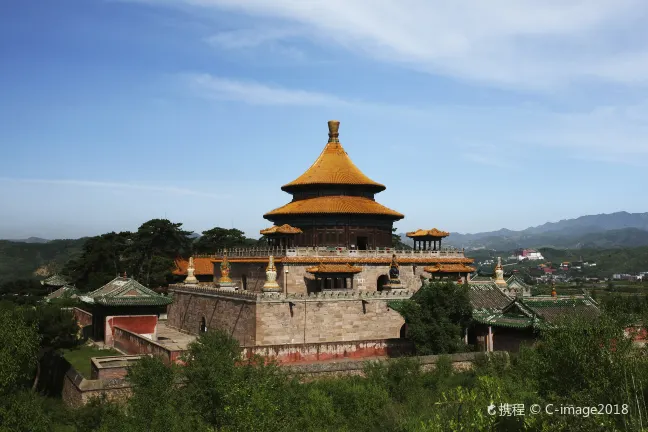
point(499, 319)
point(125, 292)
point(66, 291)
point(55, 281)
point(553, 308)
point(487, 296)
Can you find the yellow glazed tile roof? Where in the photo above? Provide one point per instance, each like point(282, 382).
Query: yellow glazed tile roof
point(334, 268)
point(283, 229)
point(333, 166)
point(339, 204)
point(449, 268)
point(428, 233)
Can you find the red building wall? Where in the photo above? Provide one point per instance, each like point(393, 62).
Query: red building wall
point(140, 324)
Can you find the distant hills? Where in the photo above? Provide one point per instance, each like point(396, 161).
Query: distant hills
point(30, 240)
point(614, 230)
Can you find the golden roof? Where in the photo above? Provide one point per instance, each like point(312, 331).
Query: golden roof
point(449, 268)
point(283, 229)
point(339, 204)
point(428, 233)
point(333, 166)
point(334, 268)
point(202, 266)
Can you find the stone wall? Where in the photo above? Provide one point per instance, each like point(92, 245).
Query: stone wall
point(312, 371)
point(302, 353)
point(133, 343)
point(228, 312)
point(315, 320)
point(298, 280)
point(77, 391)
point(111, 367)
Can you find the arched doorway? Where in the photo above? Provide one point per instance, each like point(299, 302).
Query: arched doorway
point(203, 325)
point(382, 281)
point(403, 331)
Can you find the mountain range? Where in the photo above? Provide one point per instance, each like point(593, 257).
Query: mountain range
point(620, 229)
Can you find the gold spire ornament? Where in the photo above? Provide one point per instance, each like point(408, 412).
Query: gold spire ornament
point(191, 278)
point(271, 284)
point(225, 267)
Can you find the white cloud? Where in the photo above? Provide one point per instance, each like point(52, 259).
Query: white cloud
point(249, 38)
point(115, 186)
point(616, 134)
point(253, 93)
point(522, 43)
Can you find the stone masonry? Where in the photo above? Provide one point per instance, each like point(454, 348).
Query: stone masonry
point(256, 319)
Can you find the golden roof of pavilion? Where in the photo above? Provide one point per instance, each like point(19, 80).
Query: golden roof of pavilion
point(335, 205)
point(283, 229)
point(333, 167)
point(449, 268)
point(334, 268)
point(428, 233)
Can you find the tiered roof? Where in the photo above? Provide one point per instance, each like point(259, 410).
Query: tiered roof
point(343, 204)
point(333, 167)
point(428, 233)
point(334, 268)
point(123, 291)
point(283, 229)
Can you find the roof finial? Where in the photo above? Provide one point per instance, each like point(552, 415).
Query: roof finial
point(333, 126)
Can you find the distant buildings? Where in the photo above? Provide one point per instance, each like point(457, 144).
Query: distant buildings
point(528, 254)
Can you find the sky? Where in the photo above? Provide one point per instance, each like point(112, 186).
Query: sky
point(475, 115)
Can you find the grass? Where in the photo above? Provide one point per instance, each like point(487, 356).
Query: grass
point(80, 356)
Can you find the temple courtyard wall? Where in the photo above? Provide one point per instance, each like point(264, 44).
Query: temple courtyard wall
point(256, 319)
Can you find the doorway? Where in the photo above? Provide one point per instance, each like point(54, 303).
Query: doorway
point(203, 325)
point(363, 243)
point(381, 282)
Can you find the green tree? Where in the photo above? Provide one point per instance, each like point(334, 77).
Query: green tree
point(153, 249)
point(102, 258)
point(19, 344)
point(436, 317)
point(397, 242)
point(219, 238)
point(232, 394)
point(157, 402)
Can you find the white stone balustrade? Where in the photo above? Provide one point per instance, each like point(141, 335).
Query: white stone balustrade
point(339, 251)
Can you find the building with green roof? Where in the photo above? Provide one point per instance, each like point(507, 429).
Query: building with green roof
point(126, 303)
point(502, 322)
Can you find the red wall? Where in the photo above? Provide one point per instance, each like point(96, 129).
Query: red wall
point(140, 324)
point(82, 317)
point(313, 352)
point(133, 343)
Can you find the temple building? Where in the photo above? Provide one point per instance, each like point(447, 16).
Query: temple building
point(328, 273)
point(125, 303)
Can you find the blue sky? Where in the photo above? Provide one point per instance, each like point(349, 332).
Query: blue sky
point(476, 115)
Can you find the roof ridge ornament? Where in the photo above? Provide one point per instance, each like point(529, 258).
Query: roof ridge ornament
point(334, 127)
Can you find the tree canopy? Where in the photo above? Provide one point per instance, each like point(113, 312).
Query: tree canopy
point(436, 317)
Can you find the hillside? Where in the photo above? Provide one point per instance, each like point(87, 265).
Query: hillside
point(608, 261)
point(615, 230)
point(20, 260)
